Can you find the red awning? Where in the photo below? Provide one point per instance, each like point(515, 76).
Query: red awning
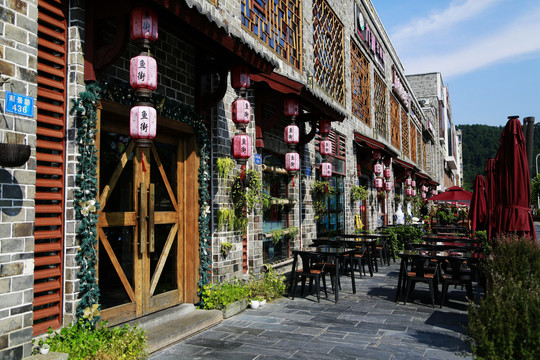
point(373, 144)
point(286, 85)
point(405, 165)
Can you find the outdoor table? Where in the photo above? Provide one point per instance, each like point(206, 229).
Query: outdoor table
point(451, 239)
point(340, 241)
point(336, 253)
point(448, 229)
point(407, 255)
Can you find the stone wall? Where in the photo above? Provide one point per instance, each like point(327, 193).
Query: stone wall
point(18, 71)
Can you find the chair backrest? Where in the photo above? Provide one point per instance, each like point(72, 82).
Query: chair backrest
point(308, 258)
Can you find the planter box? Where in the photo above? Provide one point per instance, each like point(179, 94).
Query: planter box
point(234, 308)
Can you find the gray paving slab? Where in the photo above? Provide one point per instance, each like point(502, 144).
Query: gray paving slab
point(365, 325)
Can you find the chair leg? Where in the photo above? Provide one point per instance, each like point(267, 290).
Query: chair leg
point(295, 281)
point(324, 285)
point(410, 286)
point(317, 287)
point(432, 293)
point(468, 286)
point(303, 285)
point(444, 292)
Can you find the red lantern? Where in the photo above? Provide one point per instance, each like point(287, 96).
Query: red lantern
point(325, 147)
point(408, 191)
point(377, 155)
point(240, 77)
point(325, 126)
point(292, 162)
point(291, 107)
point(413, 192)
point(144, 24)
point(388, 173)
point(413, 183)
point(241, 146)
point(142, 122)
point(388, 185)
point(378, 183)
point(408, 182)
point(325, 169)
point(423, 195)
point(424, 188)
point(378, 169)
point(143, 73)
point(241, 111)
point(433, 192)
point(292, 134)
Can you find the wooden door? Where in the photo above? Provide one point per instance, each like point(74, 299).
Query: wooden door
point(141, 229)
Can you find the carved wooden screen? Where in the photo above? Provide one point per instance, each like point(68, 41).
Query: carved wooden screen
point(394, 122)
point(419, 148)
point(413, 141)
point(328, 65)
point(277, 23)
point(405, 144)
point(379, 100)
point(360, 85)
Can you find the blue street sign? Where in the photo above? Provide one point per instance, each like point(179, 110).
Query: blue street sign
point(258, 159)
point(19, 104)
point(308, 170)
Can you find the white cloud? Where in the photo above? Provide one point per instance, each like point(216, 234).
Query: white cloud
point(511, 41)
point(442, 20)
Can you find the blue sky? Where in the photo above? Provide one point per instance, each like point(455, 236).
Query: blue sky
point(488, 52)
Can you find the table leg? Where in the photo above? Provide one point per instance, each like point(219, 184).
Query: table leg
point(402, 268)
point(336, 278)
point(352, 273)
point(293, 275)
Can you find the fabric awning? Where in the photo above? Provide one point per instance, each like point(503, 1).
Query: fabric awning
point(373, 144)
point(285, 85)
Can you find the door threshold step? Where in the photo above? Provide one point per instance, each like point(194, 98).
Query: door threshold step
point(169, 326)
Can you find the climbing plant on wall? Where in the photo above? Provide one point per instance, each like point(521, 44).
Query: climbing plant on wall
point(85, 203)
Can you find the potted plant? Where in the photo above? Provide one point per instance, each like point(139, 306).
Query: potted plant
point(358, 192)
point(226, 248)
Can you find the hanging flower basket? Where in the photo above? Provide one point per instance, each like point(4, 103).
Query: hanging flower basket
point(13, 155)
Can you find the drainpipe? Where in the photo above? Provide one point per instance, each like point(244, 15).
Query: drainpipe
point(530, 141)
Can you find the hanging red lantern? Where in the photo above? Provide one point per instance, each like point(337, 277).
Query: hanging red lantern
point(388, 173)
point(241, 146)
point(413, 183)
point(143, 73)
point(325, 126)
point(325, 169)
point(240, 77)
point(378, 183)
point(408, 191)
point(388, 186)
point(291, 107)
point(433, 192)
point(376, 155)
point(424, 188)
point(325, 147)
point(142, 122)
point(413, 192)
point(408, 182)
point(241, 111)
point(423, 195)
point(144, 24)
point(292, 134)
point(292, 161)
point(377, 169)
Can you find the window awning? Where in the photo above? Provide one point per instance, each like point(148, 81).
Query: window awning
point(373, 144)
point(285, 85)
point(405, 165)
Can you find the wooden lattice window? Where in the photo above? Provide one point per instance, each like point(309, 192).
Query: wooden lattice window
point(360, 85)
point(419, 147)
point(405, 144)
point(424, 151)
point(328, 69)
point(379, 100)
point(277, 23)
point(394, 123)
point(413, 142)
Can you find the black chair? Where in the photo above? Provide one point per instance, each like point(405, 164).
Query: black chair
point(426, 271)
point(360, 259)
point(309, 270)
point(456, 274)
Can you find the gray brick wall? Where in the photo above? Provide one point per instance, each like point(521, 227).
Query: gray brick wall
point(18, 65)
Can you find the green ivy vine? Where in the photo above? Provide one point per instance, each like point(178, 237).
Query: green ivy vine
point(321, 192)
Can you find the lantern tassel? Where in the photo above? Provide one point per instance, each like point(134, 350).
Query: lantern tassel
point(242, 173)
point(325, 188)
point(142, 161)
point(293, 181)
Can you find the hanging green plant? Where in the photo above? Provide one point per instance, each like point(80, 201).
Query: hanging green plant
point(276, 236)
point(381, 195)
point(225, 218)
point(359, 193)
point(292, 232)
point(321, 191)
point(247, 194)
point(226, 248)
point(224, 165)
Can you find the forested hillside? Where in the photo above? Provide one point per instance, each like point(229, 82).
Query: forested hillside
point(480, 143)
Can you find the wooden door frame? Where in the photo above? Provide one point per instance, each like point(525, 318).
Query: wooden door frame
point(187, 198)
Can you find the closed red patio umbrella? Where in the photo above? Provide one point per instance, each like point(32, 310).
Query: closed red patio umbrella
point(512, 212)
point(478, 208)
point(490, 194)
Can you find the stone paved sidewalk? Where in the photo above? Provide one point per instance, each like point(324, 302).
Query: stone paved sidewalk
point(365, 325)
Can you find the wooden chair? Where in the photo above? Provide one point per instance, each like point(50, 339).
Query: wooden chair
point(308, 270)
point(456, 275)
point(421, 271)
